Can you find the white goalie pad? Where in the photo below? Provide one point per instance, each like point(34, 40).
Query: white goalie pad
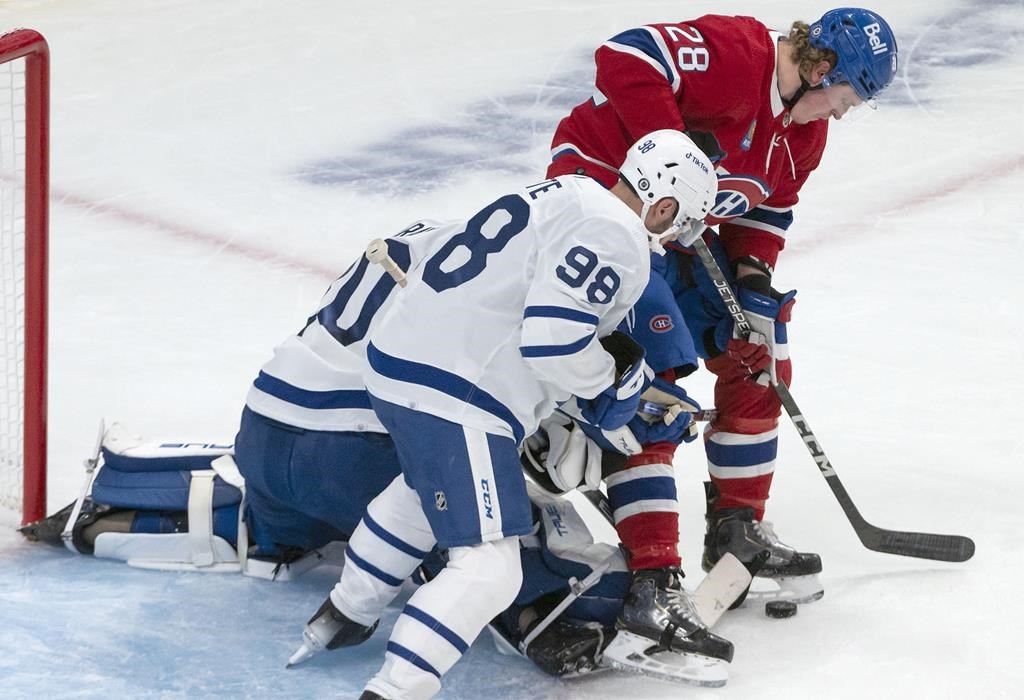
point(119, 441)
point(171, 552)
point(563, 451)
point(567, 535)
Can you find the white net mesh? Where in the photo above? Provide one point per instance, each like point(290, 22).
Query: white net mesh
point(12, 264)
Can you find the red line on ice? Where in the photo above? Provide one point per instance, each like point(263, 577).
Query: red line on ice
point(263, 255)
point(195, 235)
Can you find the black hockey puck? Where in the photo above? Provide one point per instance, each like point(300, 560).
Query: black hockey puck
point(780, 609)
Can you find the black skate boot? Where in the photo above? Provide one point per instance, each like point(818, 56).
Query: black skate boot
point(563, 648)
point(736, 531)
point(338, 631)
point(49, 529)
point(329, 629)
point(658, 608)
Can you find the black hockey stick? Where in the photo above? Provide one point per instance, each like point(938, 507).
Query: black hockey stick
point(909, 544)
point(600, 501)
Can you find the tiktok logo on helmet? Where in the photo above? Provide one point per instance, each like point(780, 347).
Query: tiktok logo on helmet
point(865, 48)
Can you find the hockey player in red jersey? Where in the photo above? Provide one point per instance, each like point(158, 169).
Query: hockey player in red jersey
point(760, 100)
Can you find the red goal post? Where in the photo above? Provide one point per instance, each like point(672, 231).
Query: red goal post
point(24, 191)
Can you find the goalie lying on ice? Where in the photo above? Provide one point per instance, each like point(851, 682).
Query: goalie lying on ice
point(184, 506)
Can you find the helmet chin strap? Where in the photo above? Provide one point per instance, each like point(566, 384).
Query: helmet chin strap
point(686, 232)
point(654, 238)
point(804, 87)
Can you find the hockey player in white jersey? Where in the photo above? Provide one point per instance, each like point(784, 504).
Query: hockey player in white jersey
point(501, 322)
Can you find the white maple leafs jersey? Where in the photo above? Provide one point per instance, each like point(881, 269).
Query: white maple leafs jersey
point(499, 321)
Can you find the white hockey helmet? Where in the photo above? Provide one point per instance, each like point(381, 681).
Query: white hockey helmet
point(667, 163)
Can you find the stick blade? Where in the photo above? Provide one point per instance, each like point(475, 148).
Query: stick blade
point(923, 545)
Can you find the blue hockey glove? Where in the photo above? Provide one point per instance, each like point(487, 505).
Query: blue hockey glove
point(614, 406)
point(675, 425)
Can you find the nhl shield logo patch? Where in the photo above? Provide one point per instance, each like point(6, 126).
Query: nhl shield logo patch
point(440, 502)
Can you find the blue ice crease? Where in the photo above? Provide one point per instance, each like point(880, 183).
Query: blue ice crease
point(79, 627)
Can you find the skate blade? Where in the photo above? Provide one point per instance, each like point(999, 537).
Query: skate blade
point(635, 654)
point(794, 589)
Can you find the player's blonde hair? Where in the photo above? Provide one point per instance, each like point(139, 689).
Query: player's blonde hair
point(805, 55)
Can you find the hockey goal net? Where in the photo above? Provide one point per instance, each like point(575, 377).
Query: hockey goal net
point(24, 159)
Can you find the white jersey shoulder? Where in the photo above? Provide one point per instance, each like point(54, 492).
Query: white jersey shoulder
point(315, 378)
point(519, 291)
point(503, 320)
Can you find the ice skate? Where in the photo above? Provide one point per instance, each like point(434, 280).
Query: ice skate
point(786, 575)
point(661, 634)
point(329, 629)
point(50, 528)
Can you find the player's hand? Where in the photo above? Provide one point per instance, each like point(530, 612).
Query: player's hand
point(753, 357)
point(767, 314)
point(707, 142)
point(676, 424)
point(614, 406)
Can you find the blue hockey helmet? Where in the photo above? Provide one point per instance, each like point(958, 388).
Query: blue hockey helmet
point(865, 49)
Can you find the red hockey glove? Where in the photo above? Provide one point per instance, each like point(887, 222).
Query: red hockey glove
point(754, 357)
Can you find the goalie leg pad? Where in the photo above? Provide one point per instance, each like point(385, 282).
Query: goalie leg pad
point(197, 548)
point(564, 551)
point(164, 480)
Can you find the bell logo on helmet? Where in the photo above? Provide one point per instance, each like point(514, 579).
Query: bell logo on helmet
point(877, 44)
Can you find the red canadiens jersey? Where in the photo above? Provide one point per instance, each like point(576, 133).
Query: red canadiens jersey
point(716, 74)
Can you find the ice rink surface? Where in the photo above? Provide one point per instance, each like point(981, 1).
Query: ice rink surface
point(216, 163)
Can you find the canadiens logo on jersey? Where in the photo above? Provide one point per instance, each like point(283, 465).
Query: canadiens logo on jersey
point(661, 323)
point(737, 194)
